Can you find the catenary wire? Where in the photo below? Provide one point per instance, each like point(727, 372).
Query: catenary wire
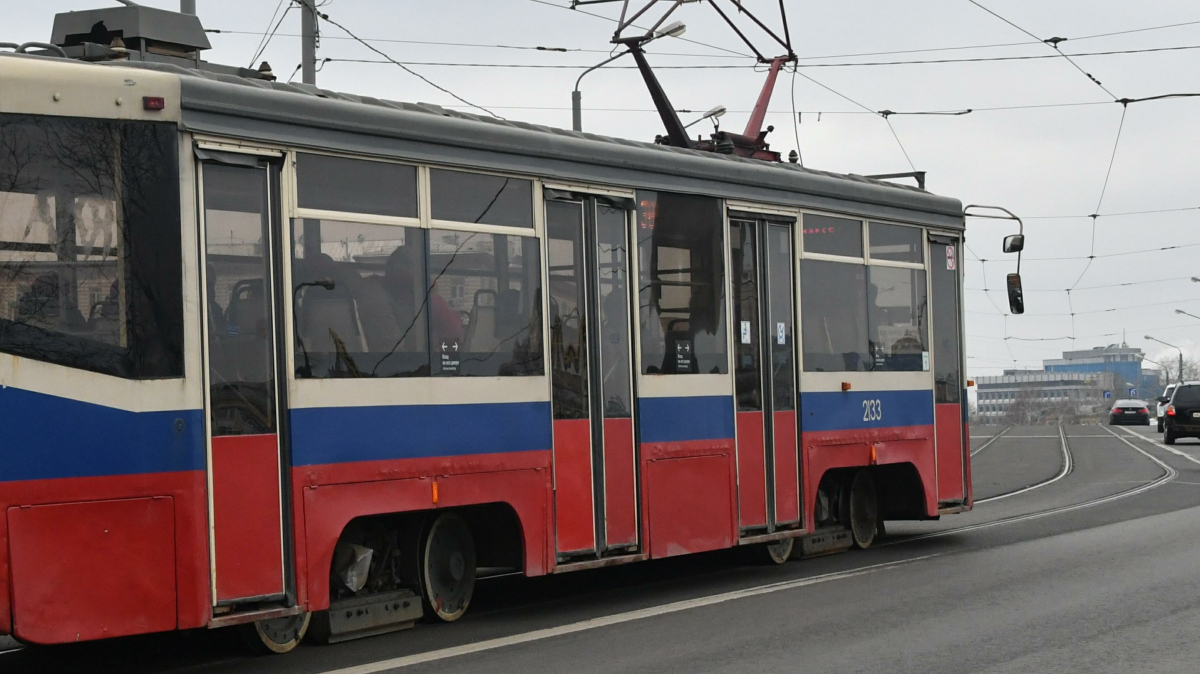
point(478, 45)
point(407, 69)
point(751, 66)
point(269, 31)
point(1053, 44)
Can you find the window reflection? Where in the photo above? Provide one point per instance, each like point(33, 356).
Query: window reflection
point(833, 312)
point(485, 307)
point(359, 300)
point(682, 272)
point(897, 310)
point(480, 198)
point(90, 259)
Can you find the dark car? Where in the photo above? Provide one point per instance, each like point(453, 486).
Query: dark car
point(1182, 413)
point(1129, 412)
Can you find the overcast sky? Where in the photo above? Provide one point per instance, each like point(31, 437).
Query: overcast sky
point(1037, 162)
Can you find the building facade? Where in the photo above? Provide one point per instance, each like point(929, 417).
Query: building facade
point(1079, 385)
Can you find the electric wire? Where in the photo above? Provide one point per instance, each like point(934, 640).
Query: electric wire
point(1052, 43)
point(266, 39)
point(1095, 287)
point(478, 45)
point(406, 68)
point(796, 118)
point(1104, 189)
point(754, 65)
point(611, 20)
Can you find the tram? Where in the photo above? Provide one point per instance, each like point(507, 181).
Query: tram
point(301, 361)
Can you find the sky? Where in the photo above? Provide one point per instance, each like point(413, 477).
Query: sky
point(1053, 166)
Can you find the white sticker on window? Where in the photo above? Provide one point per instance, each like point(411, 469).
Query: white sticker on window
point(780, 333)
point(950, 261)
point(925, 361)
point(745, 332)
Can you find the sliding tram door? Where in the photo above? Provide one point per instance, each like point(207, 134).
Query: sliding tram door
point(761, 255)
point(595, 466)
point(240, 203)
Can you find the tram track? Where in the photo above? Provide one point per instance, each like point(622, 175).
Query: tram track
point(1168, 475)
point(1067, 466)
point(992, 439)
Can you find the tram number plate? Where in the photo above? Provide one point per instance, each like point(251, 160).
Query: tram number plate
point(872, 410)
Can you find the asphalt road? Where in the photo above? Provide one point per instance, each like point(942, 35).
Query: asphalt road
point(1078, 559)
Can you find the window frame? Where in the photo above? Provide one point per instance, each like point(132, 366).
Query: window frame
point(816, 381)
point(292, 211)
point(425, 203)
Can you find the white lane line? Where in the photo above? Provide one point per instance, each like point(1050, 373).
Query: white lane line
point(1168, 475)
point(991, 440)
point(1169, 448)
point(1066, 468)
point(615, 619)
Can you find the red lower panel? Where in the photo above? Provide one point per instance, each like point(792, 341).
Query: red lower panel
point(328, 508)
point(970, 498)
point(187, 491)
point(787, 477)
point(574, 513)
point(822, 451)
point(94, 570)
point(752, 470)
point(620, 483)
point(246, 516)
point(689, 504)
point(948, 428)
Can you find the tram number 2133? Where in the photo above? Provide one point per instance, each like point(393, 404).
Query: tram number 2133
point(872, 410)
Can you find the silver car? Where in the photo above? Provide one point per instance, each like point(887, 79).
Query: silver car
point(1160, 411)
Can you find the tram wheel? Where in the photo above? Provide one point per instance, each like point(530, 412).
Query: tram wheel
point(777, 552)
point(862, 511)
point(276, 635)
point(447, 568)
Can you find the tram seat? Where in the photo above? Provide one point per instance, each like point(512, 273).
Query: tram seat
point(508, 314)
point(321, 320)
point(481, 325)
point(380, 316)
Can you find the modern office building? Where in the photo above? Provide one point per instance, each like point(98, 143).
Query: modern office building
point(1080, 384)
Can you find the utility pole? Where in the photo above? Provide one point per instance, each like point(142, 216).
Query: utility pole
point(308, 41)
point(187, 7)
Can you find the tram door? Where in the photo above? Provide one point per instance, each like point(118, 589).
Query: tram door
point(761, 254)
point(595, 464)
point(948, 389)
point(240, 298)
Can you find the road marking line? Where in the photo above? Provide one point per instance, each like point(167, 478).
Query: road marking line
point(1169, 474)
point(1156, 443)
point(615, 619)
point(991, 440)
point(1066, 468)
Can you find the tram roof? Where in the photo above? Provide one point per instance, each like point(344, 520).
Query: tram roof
point(300, 115)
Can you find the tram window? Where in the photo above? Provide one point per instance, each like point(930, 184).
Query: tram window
point(682, 276)
point(481, 198)
point(832, 236)
point(355, 185)
point(90, 252)
point(896, 243)
point(484, 304)
point(833, 310)
point(898, 312)
point(371, 321)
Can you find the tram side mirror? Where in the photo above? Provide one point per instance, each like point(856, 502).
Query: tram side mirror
point(1014, 243)
point(1016, 297)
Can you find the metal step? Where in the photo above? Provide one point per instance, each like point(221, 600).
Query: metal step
point(367, 616)
point(825, 542)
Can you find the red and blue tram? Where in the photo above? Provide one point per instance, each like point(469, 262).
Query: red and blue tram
point(268, 350)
